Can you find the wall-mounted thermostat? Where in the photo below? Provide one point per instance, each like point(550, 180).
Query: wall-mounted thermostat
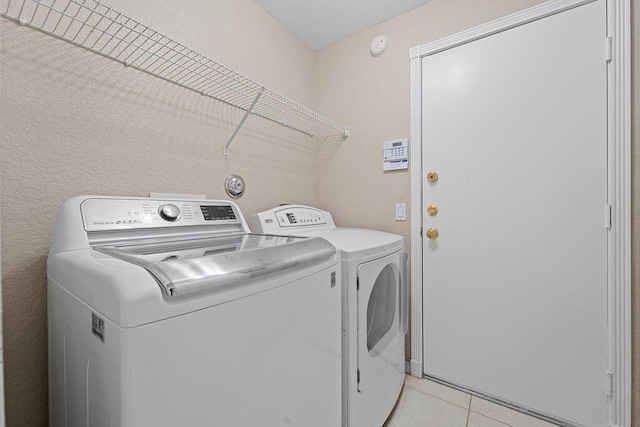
point(395, 154)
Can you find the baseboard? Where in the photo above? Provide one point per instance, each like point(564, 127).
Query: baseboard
point(416, 368)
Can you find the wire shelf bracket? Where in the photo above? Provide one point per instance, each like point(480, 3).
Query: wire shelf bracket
point(246, 114)
point(94, 26)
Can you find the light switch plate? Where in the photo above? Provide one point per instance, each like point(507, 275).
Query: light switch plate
point(401, 211)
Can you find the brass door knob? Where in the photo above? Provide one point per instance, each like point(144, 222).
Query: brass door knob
point(432, 233)
point(432, 210)
point(432, 176)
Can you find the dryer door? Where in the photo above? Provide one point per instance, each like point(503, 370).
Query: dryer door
point(378, 317)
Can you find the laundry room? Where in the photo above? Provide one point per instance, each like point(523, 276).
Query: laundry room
point(299, 103)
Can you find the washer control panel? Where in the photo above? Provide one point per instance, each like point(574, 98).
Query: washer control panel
point(123, 214)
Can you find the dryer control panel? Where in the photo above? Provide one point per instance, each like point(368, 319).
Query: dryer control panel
point(291, 219)
point(296, 216)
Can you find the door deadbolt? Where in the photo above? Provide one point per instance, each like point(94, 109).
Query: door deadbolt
point(432, 210)
point(432, 233)
point(432, 176)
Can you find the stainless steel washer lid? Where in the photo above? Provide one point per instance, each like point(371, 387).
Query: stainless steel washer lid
point(187, 266)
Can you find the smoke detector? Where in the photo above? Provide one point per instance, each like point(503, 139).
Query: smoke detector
point(378, 45)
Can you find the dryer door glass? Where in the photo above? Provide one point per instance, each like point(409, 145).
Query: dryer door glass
point(380, 344)
point(381, 310)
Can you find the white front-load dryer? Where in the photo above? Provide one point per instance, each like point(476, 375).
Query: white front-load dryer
point(374, 307)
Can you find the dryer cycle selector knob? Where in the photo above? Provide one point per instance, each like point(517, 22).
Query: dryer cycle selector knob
point(169, 212)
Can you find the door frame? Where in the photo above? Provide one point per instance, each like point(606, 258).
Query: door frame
point(619, 186)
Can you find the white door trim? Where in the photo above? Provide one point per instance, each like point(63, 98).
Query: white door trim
point(619, 182)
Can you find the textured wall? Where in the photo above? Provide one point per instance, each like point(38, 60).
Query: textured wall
point(76, 123)
point(372, 96)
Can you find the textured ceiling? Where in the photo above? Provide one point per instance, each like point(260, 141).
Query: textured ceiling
point(320, 23)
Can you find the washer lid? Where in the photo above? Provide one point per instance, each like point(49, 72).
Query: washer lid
point(186, 266)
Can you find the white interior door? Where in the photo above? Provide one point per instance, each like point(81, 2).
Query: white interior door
point(515, 286)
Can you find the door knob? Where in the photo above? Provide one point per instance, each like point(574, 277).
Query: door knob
point(432, 176)
point(432, 233)
point(432, 210)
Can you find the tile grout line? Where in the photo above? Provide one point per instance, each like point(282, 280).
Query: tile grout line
point(491, 418)
point(471, 396)
point(546, 420)
point(439, 398)
point(484, 415)
point(503, 421)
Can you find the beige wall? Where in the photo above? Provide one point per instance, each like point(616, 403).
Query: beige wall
point(372, 96)
point(75, 123)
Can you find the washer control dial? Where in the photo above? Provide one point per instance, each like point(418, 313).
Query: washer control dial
point(169, 212)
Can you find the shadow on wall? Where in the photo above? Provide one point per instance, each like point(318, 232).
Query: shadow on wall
point(31, 330)
point(83, 72)
point(328, 148)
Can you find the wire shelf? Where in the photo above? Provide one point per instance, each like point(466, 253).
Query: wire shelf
point(94, 26)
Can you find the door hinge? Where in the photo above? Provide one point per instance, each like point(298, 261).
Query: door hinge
point(357, 284)
point(420, 232)
point(608, 49)
point(358, 376)
point(609, 383)
point(607, 216)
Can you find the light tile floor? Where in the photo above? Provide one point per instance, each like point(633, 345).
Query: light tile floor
point(424, 403)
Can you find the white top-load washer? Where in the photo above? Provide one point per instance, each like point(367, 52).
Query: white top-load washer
point(166, 313)
point(374, 309)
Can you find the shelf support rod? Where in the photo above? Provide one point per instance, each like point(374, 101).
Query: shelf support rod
point(246, 114)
